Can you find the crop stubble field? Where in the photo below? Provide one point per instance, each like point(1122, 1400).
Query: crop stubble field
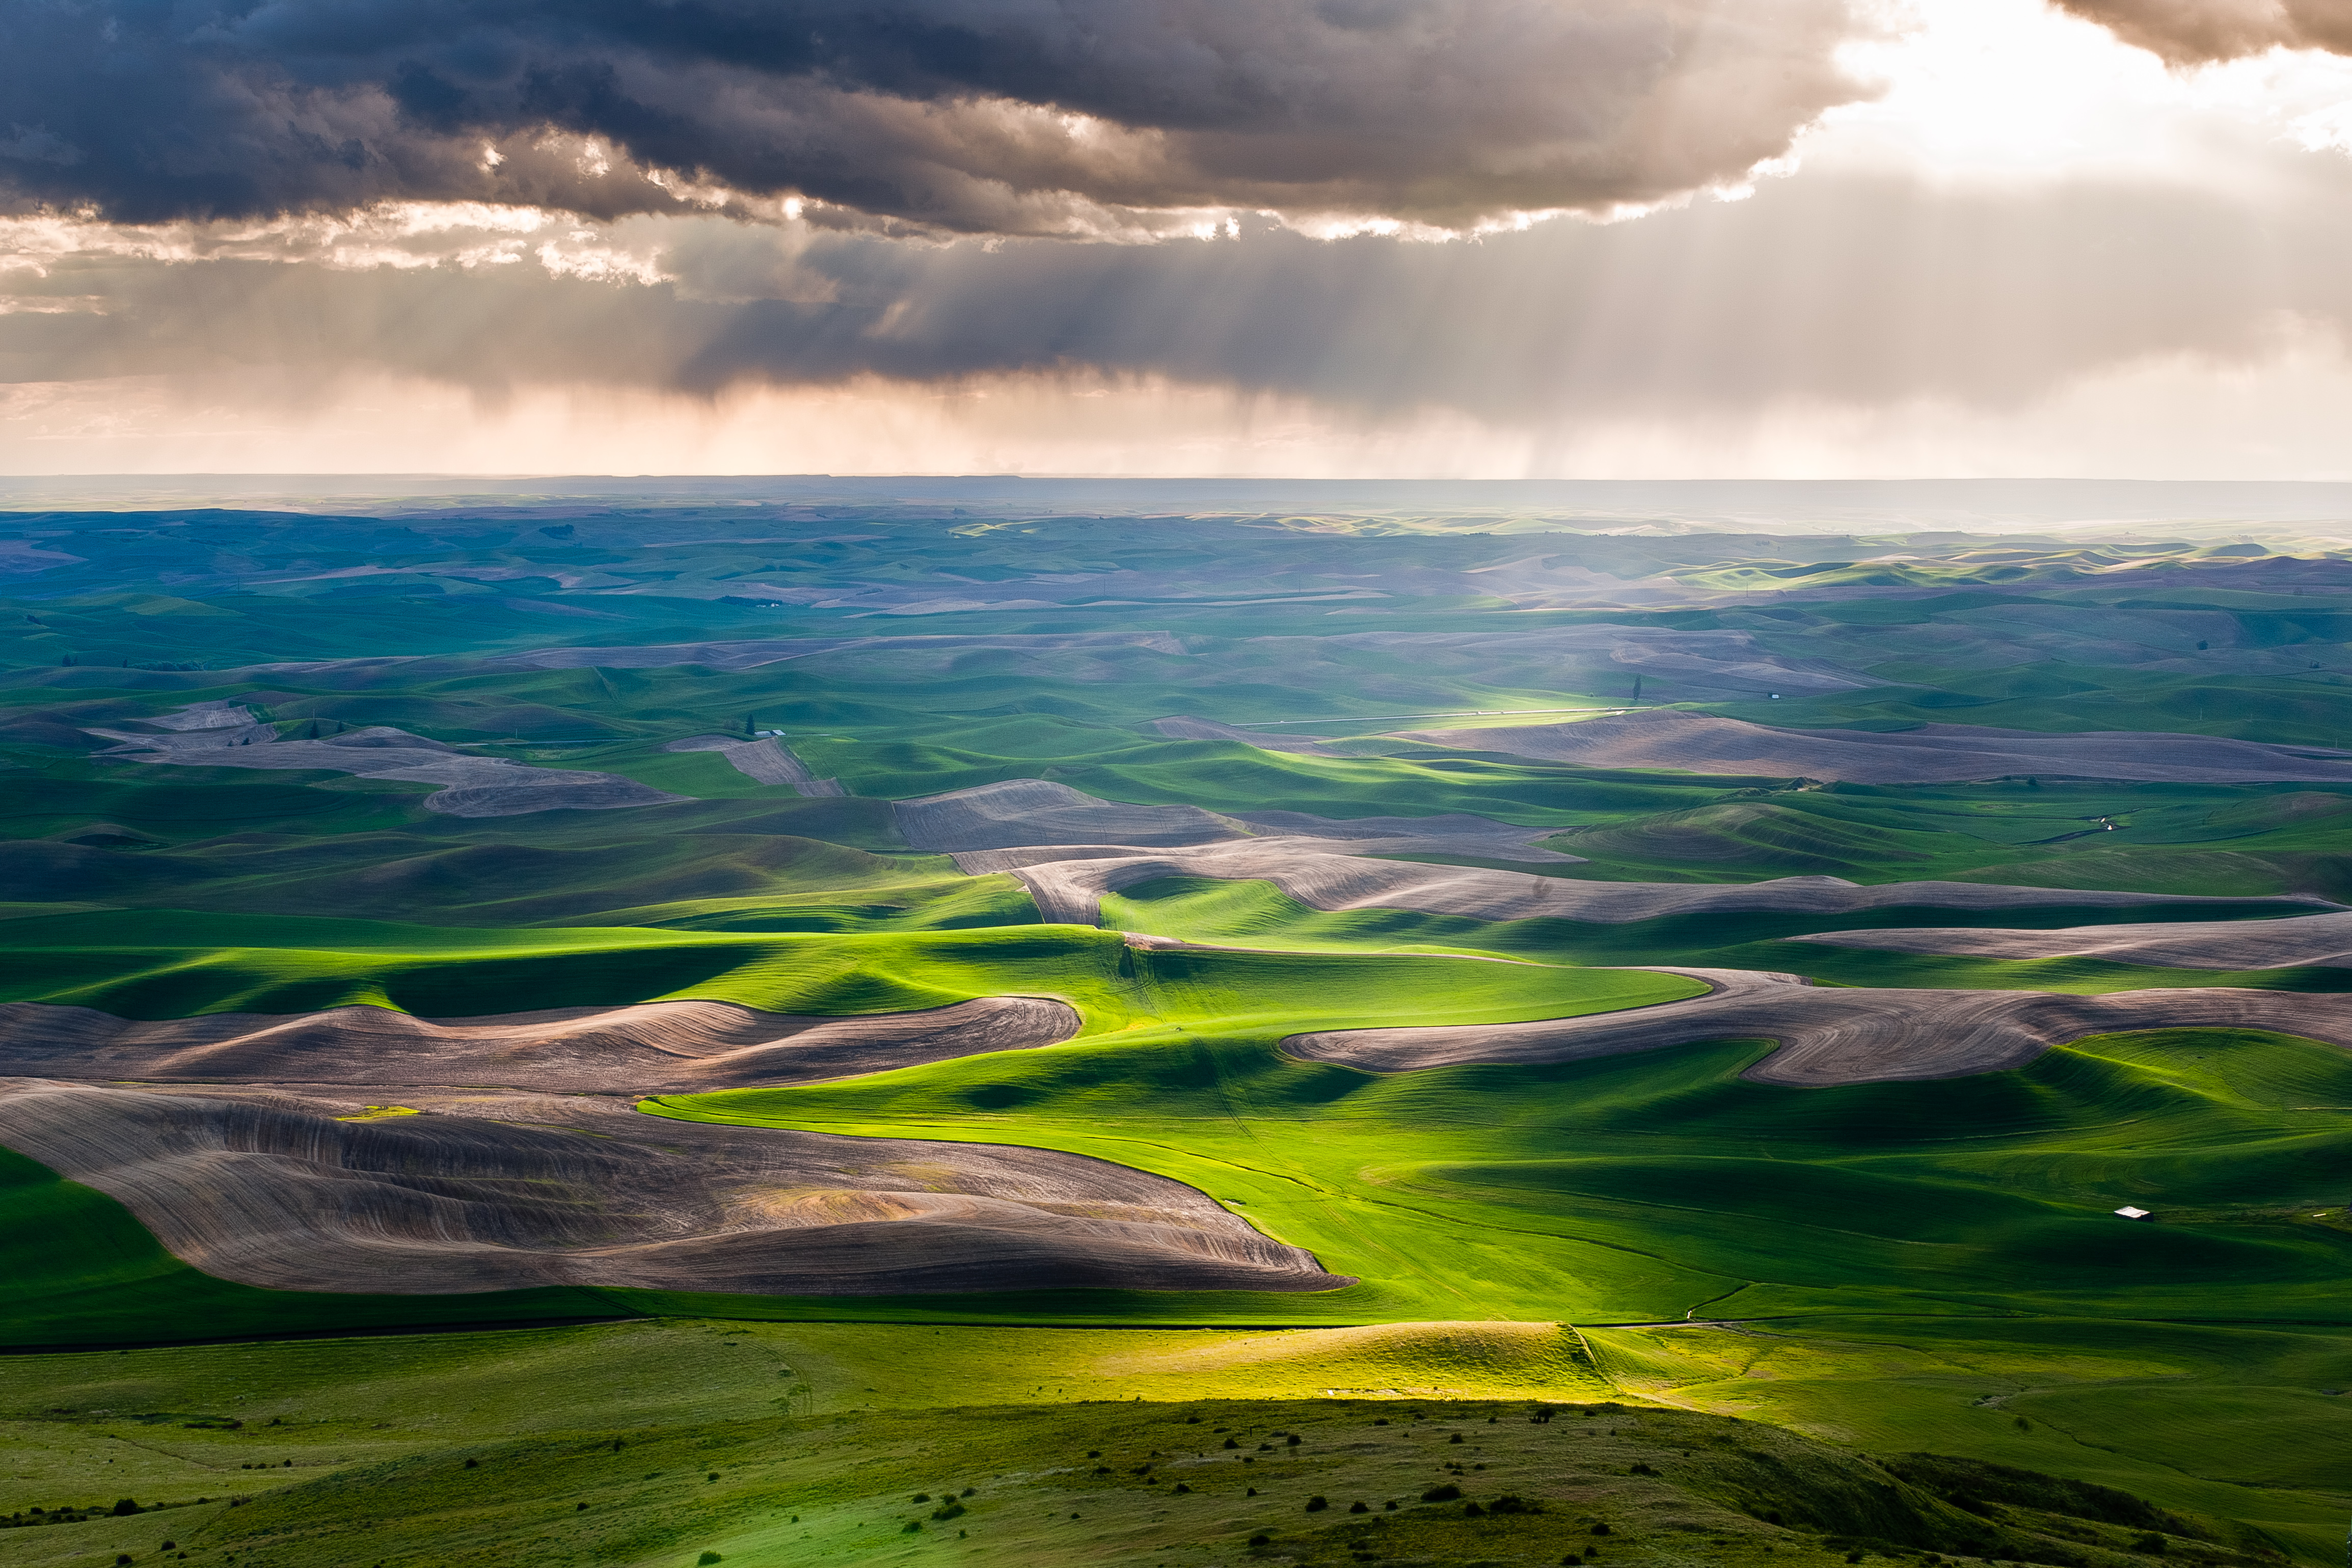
point(603, 947)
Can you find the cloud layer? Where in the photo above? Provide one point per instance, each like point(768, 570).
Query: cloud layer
point(2198, 32)
point(1854, 289)
point(1020, 117)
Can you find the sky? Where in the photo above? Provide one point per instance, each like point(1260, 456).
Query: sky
point(1348, 238)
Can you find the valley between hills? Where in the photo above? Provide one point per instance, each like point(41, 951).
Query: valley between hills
point(782, 1022)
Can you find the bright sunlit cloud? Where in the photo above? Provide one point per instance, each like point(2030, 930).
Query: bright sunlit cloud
point(2013, 90)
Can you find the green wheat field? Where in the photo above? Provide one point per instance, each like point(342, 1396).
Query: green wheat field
point(1649, 1307)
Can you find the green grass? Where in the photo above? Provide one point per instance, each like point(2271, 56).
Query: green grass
point(1136, 1005)
point(1259, 914)
point(659, 1442)
point(1914, 1267)
point(163, 963)
point(1649, 1187)
point(2241, 1419)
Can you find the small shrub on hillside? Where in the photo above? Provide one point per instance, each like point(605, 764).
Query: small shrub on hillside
point(1447, 1492)
point(125, 1507)
point(1261, 1540)
point(1231, 1443)
point(1511, 1502)
point(707, 1559)
point(1638, 1469)
point(1318, 1504)
point(1360, 1508)
point(2146, 1540)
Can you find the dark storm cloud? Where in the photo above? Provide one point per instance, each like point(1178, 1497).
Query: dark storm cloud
point(2195, 32)
point(992, 116)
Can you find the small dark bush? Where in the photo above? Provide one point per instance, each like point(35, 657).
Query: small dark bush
point(914, 1525)
point(707, 1559)
point(579, 1507)
point(1511, 1502)
point(1318, 1504)
point(125, 1507)
point(1382, 1421)
point(1640, 1469)
point(1293, 1439)
point(1602, 1529)
point(1191, 1421)
point(2146, 1540)
point(1231, 1443)
point(1472, 1509)
point(950, 1508)
point(1261, 1541)
point(167, 1546)
point(969, 1490)
point(1456, 1438)
point(473, 1464)
point(1447, 1492)
point(1360, 1508)
point(921, 1497)
point(1181, 1488)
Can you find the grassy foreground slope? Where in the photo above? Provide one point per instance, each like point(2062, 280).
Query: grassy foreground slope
point(659, 1443)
